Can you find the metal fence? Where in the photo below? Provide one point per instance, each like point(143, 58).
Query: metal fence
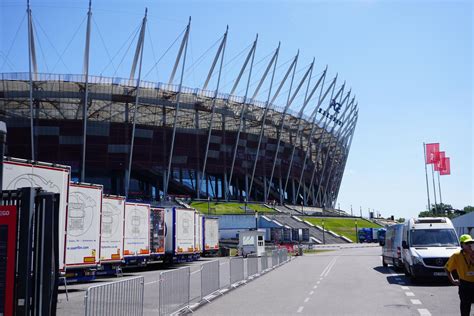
point(236, 270)
point(174, 290)
point(180, 289)
point(123, 297)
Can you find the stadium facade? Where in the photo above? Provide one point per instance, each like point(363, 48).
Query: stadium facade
point(149, 140)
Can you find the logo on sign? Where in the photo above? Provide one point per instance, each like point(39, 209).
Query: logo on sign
point(337, 106)
point(4, 213)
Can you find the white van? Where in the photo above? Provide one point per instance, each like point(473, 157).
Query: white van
point(392, 246)
point(427, 244)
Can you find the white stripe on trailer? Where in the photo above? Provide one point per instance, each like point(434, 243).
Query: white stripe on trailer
point(112, 228)
point(19, 173)
point(83, 225)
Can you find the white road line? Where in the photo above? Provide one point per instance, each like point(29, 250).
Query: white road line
point(327, 267)
point(330, 267)
point(311, 293)
point(409, 294)
point(315, 287)
point(152, 282)
point(306, 300)
point(424, 312)
point(300, 309)
point(405, 288)
point(416, 302)
point(318, 282)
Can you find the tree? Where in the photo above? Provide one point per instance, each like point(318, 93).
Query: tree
point(401, 220)
point(468, 209)
point(439, 210)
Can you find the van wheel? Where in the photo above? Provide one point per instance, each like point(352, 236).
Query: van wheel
point(383, 262)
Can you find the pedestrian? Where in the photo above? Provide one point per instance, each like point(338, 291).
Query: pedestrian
point(463, 263)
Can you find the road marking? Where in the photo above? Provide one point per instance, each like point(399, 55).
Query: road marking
point(300, 309)
point(311, 293)
point(409, 294)
point(318, 282)
point(315, 287)
point(416, 302)
point(328, 267)
point(152, 282)
point(405, 288)
point(424, 312)
point(306, 300)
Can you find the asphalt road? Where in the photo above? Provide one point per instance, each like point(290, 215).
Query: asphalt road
point(346, 281)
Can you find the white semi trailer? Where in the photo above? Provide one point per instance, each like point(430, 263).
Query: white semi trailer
point(180, 234)
point(20, 173)
point(211, 235)
point(83, 229)
point(112, 231)
point(136, 244)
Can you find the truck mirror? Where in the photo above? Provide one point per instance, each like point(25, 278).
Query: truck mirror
point(405, 245)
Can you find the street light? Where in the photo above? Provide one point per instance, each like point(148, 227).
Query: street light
point(324, 236)
point(256, 220)
point(208, 205)
point(357, 239)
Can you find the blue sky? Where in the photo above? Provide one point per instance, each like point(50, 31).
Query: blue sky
point(408, 62)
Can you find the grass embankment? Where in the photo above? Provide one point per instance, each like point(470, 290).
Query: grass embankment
point(342, 226)
point(222, 208)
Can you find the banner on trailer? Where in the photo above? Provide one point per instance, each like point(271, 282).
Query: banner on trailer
point(54, 179)
point(83, 225)
point(111, 242)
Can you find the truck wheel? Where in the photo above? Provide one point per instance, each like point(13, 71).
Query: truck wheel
point(383, 262)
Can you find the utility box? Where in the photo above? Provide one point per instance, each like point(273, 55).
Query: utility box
point(252, 242)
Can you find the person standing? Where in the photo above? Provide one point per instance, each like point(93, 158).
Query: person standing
point(463, 263)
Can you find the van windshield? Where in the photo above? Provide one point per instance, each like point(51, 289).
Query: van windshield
point(433, 238)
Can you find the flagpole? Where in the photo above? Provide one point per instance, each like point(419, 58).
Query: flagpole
point(426, 174)
point(434, 188)
point(439, 189)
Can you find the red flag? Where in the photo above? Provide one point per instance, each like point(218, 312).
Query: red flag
point(440, 165)
point(447, 168)
point(432, 153)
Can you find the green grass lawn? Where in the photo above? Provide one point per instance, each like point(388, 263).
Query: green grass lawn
point(220, 208)
point(342, 226)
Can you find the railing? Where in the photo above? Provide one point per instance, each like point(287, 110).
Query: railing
point(123, 297)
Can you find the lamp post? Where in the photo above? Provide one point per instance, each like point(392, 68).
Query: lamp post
point(256, 220)
point(245, 201)
point(324, 236)
point(208, 205)
point(357, 239)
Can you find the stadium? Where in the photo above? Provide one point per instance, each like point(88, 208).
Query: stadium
point(152, 141)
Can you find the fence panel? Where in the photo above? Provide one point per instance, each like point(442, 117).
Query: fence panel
point(117, 298)
point(224, 273)
point(252, 266)
point(274, 258)
point(195, 279)
point(210, 277)
point(174, 290)
point(264, 263)
point(236, 270)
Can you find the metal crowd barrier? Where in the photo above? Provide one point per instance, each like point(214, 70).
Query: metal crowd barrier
point(210, 280)
point(236, 270)
point(117, 298)
point(264, 263)
point(174, 290)
point(274, 258)
point(179, 289)
point(252, 266)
